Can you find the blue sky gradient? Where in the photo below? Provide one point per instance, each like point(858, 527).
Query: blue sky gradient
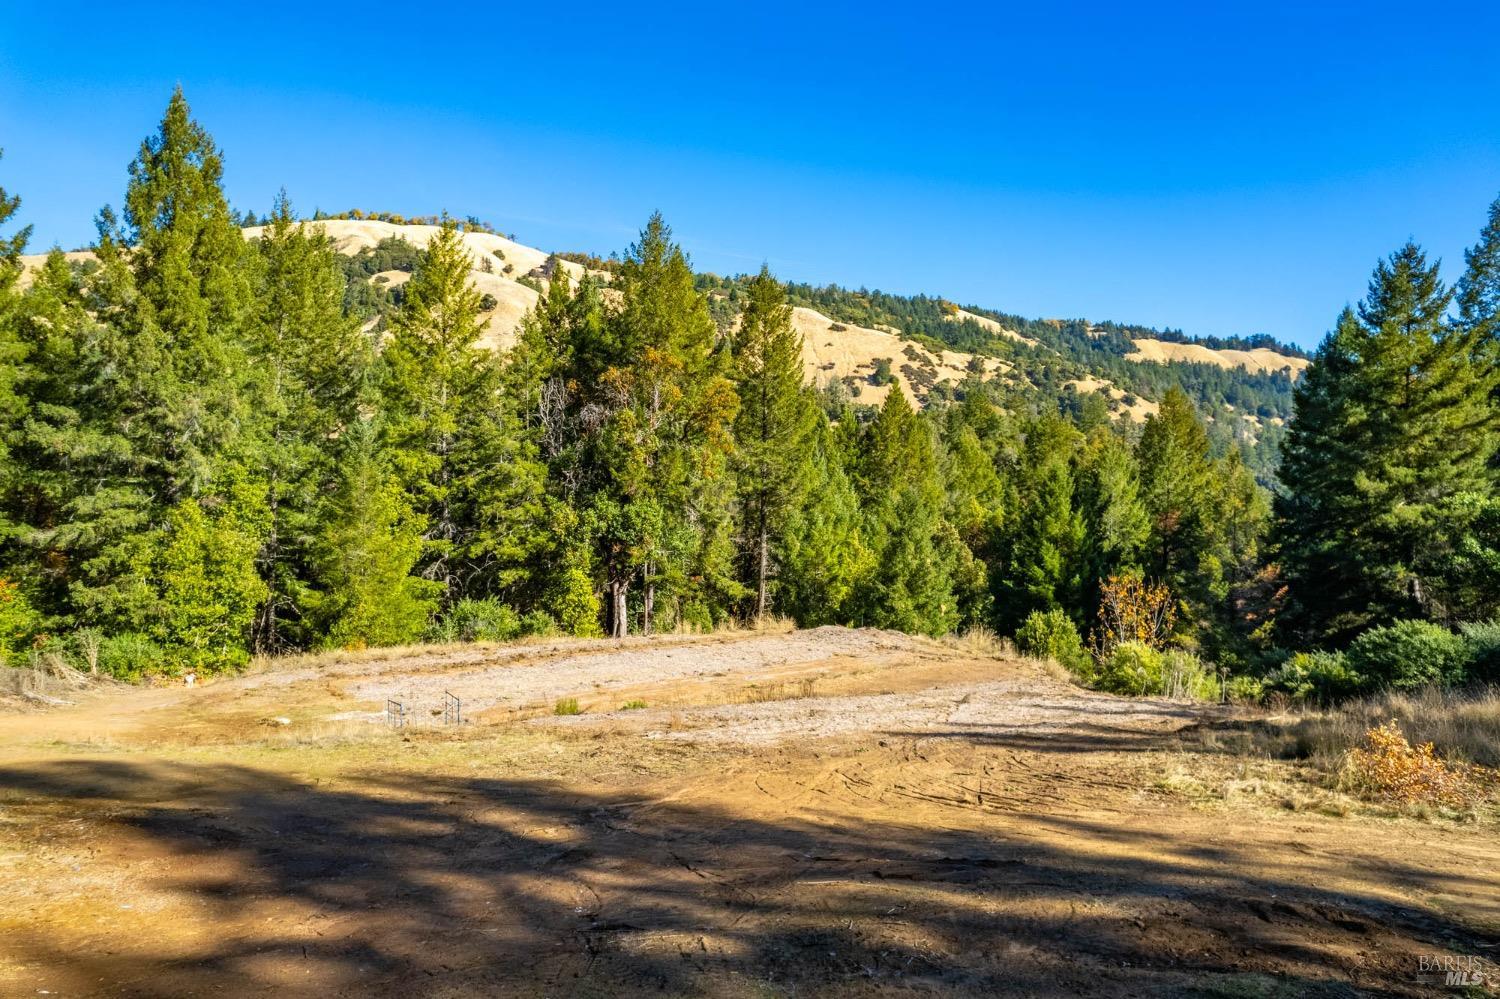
point(1221, 168)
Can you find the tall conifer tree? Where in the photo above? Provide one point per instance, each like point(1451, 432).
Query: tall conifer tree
point(1387, 461)
point(157, 392)
point(772, 428)
point(454, 438)
point(309, 367)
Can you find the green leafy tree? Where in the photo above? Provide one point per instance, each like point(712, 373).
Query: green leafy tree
point(365, 557)
point(205, 590)
point(453, 435)
point(309, 364)
point(1044, 564)
point(772, 427)
point(1389, 461)
point(826, 559)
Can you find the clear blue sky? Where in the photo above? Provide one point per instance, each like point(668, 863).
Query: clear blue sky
point(1214, 166)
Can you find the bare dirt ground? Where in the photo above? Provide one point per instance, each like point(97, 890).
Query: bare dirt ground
point(817, 813)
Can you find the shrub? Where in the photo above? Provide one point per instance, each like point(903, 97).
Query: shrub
point(537, 622)
point(1185, 675)
point(697, 618)
point(573, 600)
point(1051, 635)
point(82, 648)
point(1245, 689)
point(488, 302)
point(130, 656)
point(1131, 609)
point(18, 620)
point(1482, 651)
point(486, 620)
point(633, 705)
point(1389, 767)
point(567, 706)
point(1408, 654)
point(1132, 668)
point(1321, 677)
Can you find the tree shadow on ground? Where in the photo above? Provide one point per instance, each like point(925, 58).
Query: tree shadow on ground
point(416, 886)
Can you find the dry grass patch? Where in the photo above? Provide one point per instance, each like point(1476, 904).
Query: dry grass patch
point(779, 690)
point(981, 643)
point(1425, 753)
point(1463, 727)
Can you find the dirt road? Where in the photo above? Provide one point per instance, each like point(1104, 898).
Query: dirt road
point(820, 813)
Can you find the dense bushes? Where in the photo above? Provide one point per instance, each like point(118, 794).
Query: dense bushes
point(17, 620)
point(1051, 635)
point(1131, 668)
point(130, 657)
point(1137, 669)
point(1321, 677)
point(489, 620)
point(1407, 655)
point(1482, 651)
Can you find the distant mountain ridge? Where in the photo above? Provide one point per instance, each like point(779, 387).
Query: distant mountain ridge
point(870, 340)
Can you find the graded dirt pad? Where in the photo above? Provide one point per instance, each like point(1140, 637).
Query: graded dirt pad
point(811, 814)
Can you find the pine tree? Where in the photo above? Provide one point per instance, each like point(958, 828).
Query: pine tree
point(204, 587)
point(897, 451)
point(1388, 461)
point(13, 351)
point(454, 437)
point(825, 560)
point(61, 442)
point(181, 325)
point(976, 496)
point(437, 383)
point(649, 396)
point(911, 587)
point(1116, 526)
point(1044, 554)
point(684, 406)
point(772, 428)
point(157, 397)
point(1478, 290)
point(14, 245)
point(309, 361)
point(1176, 487)
point(365, 557)
point(1317, 511)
